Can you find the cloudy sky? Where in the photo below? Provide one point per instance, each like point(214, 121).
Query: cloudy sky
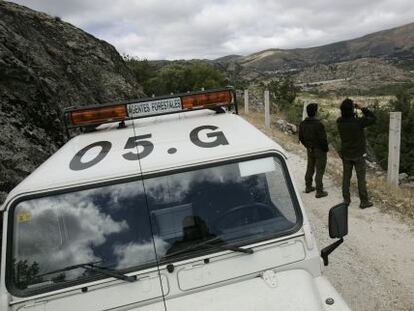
point(185, 29)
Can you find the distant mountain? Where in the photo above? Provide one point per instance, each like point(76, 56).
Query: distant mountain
point(381, 60)
point(378, 63)
point(392, 44)
point(228, 58)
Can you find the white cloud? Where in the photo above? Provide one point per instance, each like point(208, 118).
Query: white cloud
point(61, 219)
point(133, 254)
point(158, 29)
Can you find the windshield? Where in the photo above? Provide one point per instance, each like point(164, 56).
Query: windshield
point(132, 225)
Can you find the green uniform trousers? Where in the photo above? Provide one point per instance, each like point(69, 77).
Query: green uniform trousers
point(360, 169)
point(316, 161)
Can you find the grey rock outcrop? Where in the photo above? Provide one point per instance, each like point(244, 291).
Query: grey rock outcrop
point(286, 127)
point(46, 65)
point(402, 177)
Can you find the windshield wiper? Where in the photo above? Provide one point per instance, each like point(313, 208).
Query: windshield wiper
point(233, 248)
point(91, 266)
point(210, 244)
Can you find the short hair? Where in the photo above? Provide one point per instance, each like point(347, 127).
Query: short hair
point(347, 108)
point(311, 109)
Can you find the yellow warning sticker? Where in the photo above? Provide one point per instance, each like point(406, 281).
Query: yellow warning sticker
point(24, 217)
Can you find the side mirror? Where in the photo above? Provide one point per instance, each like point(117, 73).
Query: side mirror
point(338, 228)
point(338, 221)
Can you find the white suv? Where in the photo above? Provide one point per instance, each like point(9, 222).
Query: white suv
point(172, 203)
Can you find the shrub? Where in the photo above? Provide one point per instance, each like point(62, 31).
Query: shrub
point(174, 77)
point(329, 121)
point(283, 93)
point(377, 134)
point(293, 112)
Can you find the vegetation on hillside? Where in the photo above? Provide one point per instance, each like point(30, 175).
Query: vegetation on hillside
point(191, 76)
point(175, 77)
point(378, 133)
point(383, 89)
point(284, 93)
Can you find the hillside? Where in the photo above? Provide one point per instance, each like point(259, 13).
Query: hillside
point(47, 64)
point(370, 76)
point(378, 62)
point(382, 60)
point(393, 44)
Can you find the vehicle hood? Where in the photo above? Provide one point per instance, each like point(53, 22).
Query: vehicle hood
point(289, 290)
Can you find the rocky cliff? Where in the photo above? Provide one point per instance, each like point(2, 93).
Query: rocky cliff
point(47, 64)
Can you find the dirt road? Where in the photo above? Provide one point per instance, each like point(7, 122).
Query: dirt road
point(374, 268)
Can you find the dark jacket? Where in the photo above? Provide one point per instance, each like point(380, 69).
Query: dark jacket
point(312, 134)
point(351, 131)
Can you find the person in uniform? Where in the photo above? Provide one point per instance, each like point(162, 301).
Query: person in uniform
point(353, 148)
point(312, 135)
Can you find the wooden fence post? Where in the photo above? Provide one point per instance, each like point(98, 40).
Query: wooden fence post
point(304, 113)
point(267, 109)
point(394, 141)
point(246, 101)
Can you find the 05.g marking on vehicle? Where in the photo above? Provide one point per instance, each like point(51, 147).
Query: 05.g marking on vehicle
point(220, 138)
point(76, 164)
point(133, 143)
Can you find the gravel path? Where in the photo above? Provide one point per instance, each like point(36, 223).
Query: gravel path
point(374, 268)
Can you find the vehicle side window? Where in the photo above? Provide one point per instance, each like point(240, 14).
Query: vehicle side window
point(279, 193)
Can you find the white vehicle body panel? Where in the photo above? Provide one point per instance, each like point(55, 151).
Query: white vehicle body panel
point(202, 275)
point(243, 139)
point(229, 281)
point(294, 290)
point(143, 292)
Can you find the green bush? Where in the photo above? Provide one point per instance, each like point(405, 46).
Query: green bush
point(174, 77)
point(329, 121)
point(293, 112)
point(283, 93)
point(377, 134)
point(142, 70)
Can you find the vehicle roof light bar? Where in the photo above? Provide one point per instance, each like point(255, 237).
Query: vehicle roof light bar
point(104, 114)
point(207, 100)
point(148, 107)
